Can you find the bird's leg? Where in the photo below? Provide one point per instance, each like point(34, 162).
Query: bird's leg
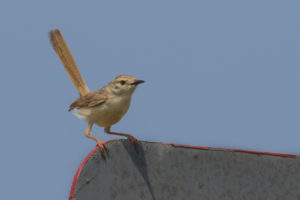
point(88, 134)
point(129, 137)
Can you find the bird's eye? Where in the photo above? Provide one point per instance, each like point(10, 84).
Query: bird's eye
point(122, 82)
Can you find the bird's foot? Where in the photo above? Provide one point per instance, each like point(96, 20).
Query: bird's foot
point(134, 141)
point(102, 148)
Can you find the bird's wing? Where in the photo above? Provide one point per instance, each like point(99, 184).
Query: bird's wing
point(91, 99)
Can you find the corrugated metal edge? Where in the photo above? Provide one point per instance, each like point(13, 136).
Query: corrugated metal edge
point(175, 145)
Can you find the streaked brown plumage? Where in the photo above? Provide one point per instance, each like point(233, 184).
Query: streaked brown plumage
point(91, 99)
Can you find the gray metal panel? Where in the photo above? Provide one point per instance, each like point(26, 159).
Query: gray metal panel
point(164, 172)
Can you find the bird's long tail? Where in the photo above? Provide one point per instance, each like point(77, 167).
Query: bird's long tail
point(61, 48)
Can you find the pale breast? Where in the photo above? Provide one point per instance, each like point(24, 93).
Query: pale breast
point(105, 114)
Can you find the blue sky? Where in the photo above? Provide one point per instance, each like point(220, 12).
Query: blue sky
point(218, 73)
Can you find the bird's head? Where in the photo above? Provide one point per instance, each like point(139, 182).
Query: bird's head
point(124, 84)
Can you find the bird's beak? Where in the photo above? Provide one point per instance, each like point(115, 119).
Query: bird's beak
point(137, 82)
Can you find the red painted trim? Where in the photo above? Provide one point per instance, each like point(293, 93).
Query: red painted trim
point(236, 150)
point(80, 168)
point(175, 145)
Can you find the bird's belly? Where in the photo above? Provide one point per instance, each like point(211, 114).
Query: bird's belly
point(105, 114)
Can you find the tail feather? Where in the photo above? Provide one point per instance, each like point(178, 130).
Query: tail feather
point(62, 50)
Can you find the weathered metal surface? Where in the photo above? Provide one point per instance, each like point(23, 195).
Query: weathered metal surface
point(167, 172)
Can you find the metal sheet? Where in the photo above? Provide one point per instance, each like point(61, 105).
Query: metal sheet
point(175, 172)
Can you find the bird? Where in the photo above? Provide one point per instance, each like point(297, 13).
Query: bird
point(106, 106)
point(103, 107)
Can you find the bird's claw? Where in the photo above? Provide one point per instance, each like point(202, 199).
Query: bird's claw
point(103, 149)
point(134, 141)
